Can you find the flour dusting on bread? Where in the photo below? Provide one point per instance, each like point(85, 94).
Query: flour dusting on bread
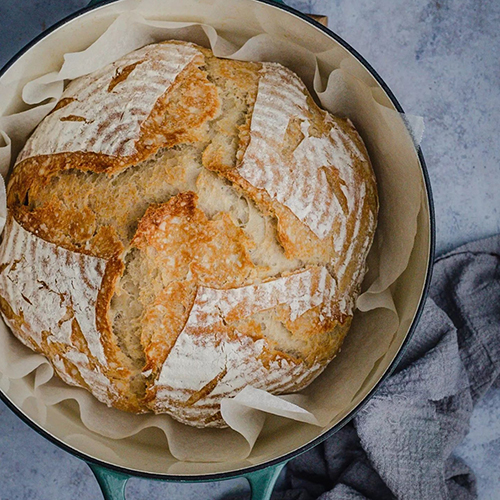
point(103, 115)
point(198, 361)
point(298, 181)
point(181, 226)
point(49, 286)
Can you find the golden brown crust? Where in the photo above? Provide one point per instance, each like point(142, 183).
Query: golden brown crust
point(168, 123)
point(201, 277)
point(70, 228)
point(163, 320)
point(191, 251)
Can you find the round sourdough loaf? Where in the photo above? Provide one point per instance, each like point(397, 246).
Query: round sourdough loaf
point(181, 226)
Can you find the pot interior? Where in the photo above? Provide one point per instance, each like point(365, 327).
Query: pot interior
point(236, 20)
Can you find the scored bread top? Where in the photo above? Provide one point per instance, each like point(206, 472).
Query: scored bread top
point(215, 361)
point(103, 116)
point(297, 180)
point(215, 219)
point(53, 297)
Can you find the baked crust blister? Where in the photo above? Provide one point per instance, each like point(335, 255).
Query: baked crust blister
point(181, 226)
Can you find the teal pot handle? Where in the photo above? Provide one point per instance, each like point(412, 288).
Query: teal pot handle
point(113, 483)
point(262, 481)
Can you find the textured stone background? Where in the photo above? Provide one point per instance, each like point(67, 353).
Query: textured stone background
point(440, 58)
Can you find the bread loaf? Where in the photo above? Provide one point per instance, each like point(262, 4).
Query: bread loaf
point(181, 226)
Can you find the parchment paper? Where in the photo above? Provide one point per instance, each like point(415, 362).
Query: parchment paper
point(340, 90)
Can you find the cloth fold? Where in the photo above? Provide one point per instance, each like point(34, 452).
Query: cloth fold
point(400, 445)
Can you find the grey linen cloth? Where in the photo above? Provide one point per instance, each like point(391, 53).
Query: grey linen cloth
point(400, 445)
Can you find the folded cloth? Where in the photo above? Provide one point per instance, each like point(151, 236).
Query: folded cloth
point(400, 445)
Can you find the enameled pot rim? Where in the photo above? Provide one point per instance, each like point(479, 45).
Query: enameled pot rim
point(390, 369)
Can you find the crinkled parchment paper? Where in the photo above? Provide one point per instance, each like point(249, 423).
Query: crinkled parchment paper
point(340, 90)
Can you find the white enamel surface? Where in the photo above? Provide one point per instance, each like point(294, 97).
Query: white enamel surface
point(245, 18)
